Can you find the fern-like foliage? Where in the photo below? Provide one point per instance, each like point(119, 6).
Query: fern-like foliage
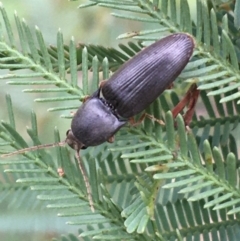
point(155, 182)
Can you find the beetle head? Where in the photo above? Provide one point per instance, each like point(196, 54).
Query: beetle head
point(73, 142)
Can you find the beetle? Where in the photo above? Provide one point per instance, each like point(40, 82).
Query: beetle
point(130, 90)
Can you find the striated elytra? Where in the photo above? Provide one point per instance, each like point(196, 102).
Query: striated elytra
point(130, 90)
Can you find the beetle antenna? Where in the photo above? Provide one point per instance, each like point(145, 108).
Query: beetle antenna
point(86, 181)
point(33, 148)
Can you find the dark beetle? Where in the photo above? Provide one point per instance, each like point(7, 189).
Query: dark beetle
point(130, 90)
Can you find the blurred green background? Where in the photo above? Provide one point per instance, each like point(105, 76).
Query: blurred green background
point(92, 25)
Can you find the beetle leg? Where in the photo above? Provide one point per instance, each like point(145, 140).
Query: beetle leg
point(102, 83)
point(189, 101)
point(170, 86)
point(85, 98)
point(151, 117)
point(134, 122)
point(111, 139)
point(143, 116)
